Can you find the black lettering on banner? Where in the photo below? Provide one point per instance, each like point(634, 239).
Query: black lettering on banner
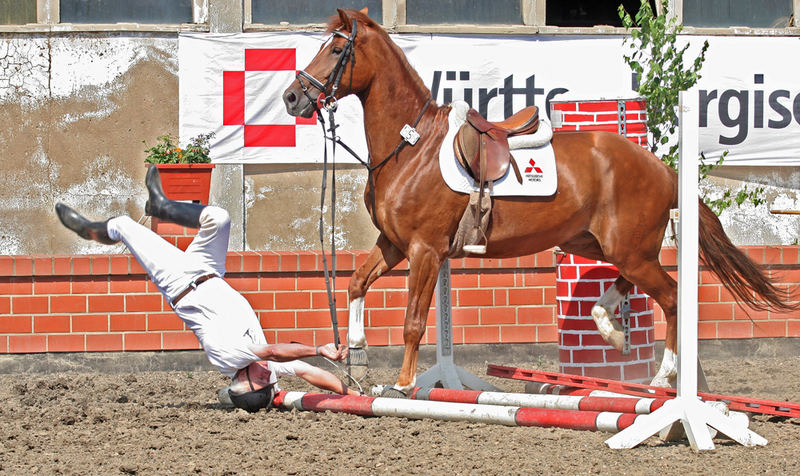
point(783, 111)
point(740, 120)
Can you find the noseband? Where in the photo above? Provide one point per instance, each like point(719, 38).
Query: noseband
point(329, 102)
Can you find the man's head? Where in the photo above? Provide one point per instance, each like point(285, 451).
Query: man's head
point(251, 389)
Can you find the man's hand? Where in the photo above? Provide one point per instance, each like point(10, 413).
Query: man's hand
point(332, 352)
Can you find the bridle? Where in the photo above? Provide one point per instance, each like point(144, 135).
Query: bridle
point(348, 54)
point(329, 103)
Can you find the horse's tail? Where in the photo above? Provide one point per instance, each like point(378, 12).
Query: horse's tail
point(736, 270)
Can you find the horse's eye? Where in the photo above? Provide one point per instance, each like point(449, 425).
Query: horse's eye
point(337, 50)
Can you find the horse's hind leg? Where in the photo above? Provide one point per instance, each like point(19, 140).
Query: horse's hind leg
point(382, 257)
point(651, 278)
point(603, 313)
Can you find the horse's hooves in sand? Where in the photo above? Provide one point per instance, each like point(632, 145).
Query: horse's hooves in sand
point(358, 365)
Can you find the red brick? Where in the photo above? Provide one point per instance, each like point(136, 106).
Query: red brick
point(136, 269)
point(5, 305)
point(119, 264)
point(67, 304)
point(322, 318)
point(770, 329)
point(549, 296)
point(51, 285)
point(243, 283)
point(62, 265)
point(309, 283)
point(66, 343)
point(526, 296)
point(261, 300)
point(23, 266)
point(270, 261)
point(127, 284)
point(179, 340)
point(374, 298)
point(568, 339)
point(305, 336)
point(100, 264)
point(319, 299)
point(6, 265)
point(143, 302)
point(127, 322)
point(396, 299)
point(27, 344)
point(500, 297)
point(89, 285)
point(81, 265)
point(278, 319)
point(715, 311)
point(164, 322)
point(50, 324)
point(377, 337)
point(43, 265)
point(497, 279)
point(143, 341)
point(233, 262)
point(289, 261)
point(498, 315)
point(251, 261)
point(393, 280)
point(536, 315)
point(587, 356)
point(517, 334)
point(396, 337)
point(475, 297)
point(16, 324)
point(292, 300)
point(386, 317)
point(546, 333)
point(280, 282)
point(183, 242)
point(740, 312)
point(109, 303)
point(465, 316)
point(307, 261)
point(481, 334)
point(790, 255)
point(461, 280)
point(103, 342)
point(610, 372)
point(573, 324)
point(29, 305)
point(597, 106)
point(90, 323)
point(734, 330)
point(23, 286)
point(793, 328)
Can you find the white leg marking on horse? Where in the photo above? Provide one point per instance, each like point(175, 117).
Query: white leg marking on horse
point(668, 370)
point(355, 326)
point(408, 388)
point(603, 315)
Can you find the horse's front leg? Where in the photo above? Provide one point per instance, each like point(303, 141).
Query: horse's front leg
point(603, 313)
point(424, 264)
point(382, 257)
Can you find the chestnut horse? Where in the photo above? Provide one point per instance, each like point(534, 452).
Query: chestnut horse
point(612, 203)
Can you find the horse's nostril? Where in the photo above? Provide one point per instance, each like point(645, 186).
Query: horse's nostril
point(290, 97)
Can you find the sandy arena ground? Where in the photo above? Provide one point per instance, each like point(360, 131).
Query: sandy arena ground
point(171, 423)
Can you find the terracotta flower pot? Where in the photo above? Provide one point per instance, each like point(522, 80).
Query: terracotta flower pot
point(186, 181)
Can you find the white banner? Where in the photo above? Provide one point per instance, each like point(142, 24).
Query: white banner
point(232, 84)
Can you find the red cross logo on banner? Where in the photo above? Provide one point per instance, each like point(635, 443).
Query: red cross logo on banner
point(532, 167)
point(238, 100)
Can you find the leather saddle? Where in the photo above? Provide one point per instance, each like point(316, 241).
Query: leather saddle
point(482, 146)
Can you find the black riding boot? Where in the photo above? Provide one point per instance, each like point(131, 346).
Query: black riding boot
point(89, 230)
point(159, 206)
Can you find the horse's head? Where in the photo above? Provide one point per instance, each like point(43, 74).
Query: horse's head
point(333, 73)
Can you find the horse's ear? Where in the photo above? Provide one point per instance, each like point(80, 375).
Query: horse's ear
point(346, 24)
point(365, 10)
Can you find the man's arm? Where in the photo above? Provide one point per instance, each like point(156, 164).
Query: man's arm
point(287, 352)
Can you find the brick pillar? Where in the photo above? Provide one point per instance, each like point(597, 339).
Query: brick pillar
point(579, 284)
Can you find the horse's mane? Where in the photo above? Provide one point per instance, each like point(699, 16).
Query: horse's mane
point(335, 22)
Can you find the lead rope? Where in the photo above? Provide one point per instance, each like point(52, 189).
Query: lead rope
point(330, 275)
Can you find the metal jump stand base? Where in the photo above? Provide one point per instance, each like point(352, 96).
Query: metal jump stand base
point(445, 373)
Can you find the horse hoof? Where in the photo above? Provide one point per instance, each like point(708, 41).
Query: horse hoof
point(660, 381)
point(391, 392)
point(358, 364)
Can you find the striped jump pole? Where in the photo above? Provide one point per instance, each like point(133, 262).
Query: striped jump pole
point(450, 411)
point(605, 403)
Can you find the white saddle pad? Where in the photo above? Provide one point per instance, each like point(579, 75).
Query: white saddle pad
point(536, 165)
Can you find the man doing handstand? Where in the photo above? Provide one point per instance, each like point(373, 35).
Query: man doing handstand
point(191, 282)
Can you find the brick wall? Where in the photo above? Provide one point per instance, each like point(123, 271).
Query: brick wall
point(105, 302)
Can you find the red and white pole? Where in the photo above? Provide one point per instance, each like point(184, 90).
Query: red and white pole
point(604, 403)
point(450, 411)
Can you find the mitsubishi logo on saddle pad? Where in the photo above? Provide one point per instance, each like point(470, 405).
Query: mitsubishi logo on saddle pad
point(533, 177)
point(246, 93)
